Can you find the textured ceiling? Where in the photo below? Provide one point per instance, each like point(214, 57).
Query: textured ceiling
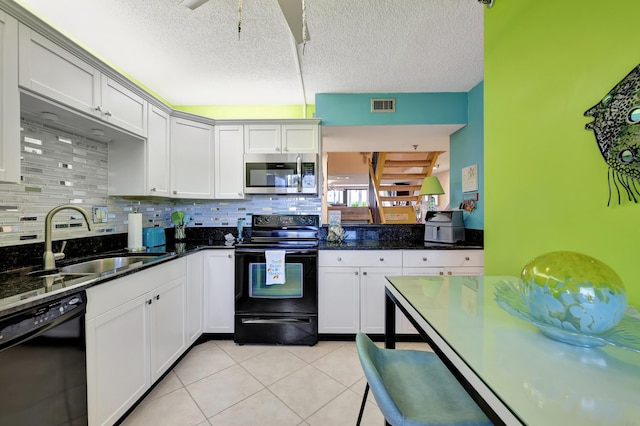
point(194, 57)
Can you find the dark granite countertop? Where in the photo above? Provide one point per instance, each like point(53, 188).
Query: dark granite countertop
point(19, 291)
point(396, 245)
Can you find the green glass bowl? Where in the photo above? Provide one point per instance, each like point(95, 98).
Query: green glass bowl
point(574, 292)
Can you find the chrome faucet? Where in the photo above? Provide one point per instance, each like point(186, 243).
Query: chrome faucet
point(49, 257)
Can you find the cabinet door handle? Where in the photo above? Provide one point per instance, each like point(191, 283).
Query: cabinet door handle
point(230, 256)
point(364, 273)
point(356, 273)
point(157, 297)
point(107, 113)
point(424, 259)
point(150, 301)
point(339, 259)
point(466, 258)
point(175, 192)
point(441, 273)
point(382, 259)
point(152, 190)
point(277, 148)
point(98, 109)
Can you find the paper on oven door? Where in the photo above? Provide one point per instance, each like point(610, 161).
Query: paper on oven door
point(275, 267)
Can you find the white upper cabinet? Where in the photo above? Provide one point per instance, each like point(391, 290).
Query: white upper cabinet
point(300, 138)
point(49, 70)
point(262, 138)
point(158, 153)
point(122, 107)
point(9, 101)
point(229, 172)
point(283, 138)
point(192, 159)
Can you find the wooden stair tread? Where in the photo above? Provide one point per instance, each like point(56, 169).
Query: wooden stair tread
point(399, 187)
point(412, 163)
point(405, 176)
point(408, 198)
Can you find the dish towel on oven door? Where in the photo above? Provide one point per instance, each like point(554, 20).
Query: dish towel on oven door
point(275, 267)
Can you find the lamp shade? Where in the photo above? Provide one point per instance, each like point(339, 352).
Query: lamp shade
point(431, 186)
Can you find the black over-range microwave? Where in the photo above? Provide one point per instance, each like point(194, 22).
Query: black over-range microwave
point(281, 173)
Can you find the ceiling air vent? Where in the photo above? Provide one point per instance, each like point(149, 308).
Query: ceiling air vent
point(383, 105)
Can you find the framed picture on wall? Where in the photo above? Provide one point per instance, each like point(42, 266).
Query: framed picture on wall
point(470, 178)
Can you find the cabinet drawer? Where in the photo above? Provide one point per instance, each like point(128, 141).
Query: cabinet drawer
point(418, 258)
point(368, 258)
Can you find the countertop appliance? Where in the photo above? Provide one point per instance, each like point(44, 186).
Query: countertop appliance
point(43, 364)
point(153, 237)
point(276, 281)
point(444, 226)
point(281, 174)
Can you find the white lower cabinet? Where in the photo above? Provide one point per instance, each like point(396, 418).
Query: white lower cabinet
point(351, 283)
point(195, 294)
point(338, 299)
point(135, 328)
point(438, 262)
point(351, 289)
point(167, 311)
point(442, 262)
point(219, 291)
point(372, 298)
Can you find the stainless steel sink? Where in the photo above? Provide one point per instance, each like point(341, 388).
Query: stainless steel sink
point(57, 274)
point(98, 266)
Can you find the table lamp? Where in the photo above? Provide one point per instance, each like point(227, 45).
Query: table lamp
point(431, 186)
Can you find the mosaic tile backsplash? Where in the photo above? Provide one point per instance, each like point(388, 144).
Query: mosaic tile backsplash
point(60, 168)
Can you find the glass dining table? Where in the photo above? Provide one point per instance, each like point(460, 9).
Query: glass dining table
point(515, 373)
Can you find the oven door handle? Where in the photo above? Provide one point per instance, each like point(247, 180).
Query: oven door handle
point(274, 320)
point(262, 251)
point(299, 171)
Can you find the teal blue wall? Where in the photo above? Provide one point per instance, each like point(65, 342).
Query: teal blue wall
point(466, 149)
point(338, 109)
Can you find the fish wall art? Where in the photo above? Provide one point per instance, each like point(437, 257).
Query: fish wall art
point(616, 127)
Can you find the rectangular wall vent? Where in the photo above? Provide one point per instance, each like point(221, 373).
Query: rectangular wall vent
point(383, 105)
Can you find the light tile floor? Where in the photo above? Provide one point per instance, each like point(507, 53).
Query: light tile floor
point(221, 383)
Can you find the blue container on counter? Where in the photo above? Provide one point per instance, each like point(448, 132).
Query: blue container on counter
point(153, 237)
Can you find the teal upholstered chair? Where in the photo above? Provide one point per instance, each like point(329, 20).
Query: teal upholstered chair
point(414, 388)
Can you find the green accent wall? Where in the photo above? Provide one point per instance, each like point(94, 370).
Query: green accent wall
point(546, 182)
point(249, 111)
point(354, 109)
point(466, 149)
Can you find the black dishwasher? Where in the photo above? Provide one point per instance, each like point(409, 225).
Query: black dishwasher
point(43, 377)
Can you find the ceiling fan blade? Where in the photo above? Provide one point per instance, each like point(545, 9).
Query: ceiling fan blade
point(192, 4)
point(292, 11)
